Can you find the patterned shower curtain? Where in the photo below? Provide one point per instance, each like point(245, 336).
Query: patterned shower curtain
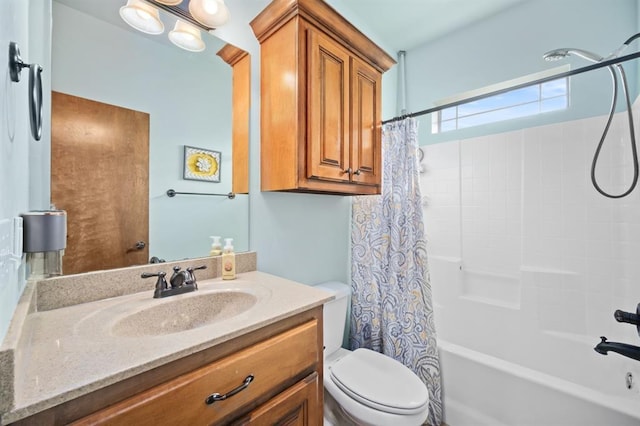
point(392, 310)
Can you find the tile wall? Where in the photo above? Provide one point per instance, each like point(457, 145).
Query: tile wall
point(539, 255)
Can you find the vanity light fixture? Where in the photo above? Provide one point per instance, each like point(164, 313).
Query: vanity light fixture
point(142, 16)
point(187, 37)
point(170, 2)
point(210, 13)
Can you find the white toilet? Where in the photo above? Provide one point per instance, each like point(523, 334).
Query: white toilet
point(364, 387)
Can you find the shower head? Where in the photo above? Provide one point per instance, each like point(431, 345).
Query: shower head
point(557, 54)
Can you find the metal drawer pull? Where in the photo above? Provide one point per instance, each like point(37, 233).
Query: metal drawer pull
point(217, 397)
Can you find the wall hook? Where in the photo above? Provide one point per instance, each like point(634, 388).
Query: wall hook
point(16, 64)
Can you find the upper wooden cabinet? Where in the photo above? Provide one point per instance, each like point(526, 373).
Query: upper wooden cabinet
point(240, 61)
point(321, 78)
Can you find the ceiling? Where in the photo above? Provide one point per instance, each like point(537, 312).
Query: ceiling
point(400, 24)
point(405, 24)
point(108, 11)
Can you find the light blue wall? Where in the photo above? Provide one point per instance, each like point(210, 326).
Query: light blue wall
point(510, 45)
point(25, 22)
point(40, 155)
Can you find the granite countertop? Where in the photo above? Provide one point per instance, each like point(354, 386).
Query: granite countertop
point(68, 352)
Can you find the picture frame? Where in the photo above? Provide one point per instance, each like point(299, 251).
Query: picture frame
point(201, 164)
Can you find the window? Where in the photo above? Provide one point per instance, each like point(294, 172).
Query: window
point(544, 97)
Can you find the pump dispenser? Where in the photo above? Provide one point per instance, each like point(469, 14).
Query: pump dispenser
point(228, 260)
point(216, 247)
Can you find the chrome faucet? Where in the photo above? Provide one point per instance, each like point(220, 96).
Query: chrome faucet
point(181, 281)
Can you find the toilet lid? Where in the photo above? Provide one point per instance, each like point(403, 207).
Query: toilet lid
point(380, 382)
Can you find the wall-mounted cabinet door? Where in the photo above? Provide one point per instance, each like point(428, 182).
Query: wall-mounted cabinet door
point(366, 146)
point(328, 123)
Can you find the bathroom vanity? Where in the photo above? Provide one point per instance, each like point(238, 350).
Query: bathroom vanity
point(276, 379)
point(248, 351)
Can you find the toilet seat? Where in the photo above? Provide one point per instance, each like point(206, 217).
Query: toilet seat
point(379, 382)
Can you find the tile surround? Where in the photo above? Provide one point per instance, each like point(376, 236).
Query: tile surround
point(573, 253)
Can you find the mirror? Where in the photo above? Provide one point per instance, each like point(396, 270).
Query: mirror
point(97, 56)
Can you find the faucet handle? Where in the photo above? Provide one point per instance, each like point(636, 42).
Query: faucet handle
point(191, 277)
point(161, 284)
point(150, 274)
point(629, 317)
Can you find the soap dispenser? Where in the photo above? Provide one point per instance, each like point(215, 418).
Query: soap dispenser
point(228, 260)
point(216, 247)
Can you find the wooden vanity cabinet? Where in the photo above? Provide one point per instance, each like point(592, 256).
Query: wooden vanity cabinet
point(284, 359)
point(320, 112)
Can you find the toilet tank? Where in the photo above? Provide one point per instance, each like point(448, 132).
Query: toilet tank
point(334, 315)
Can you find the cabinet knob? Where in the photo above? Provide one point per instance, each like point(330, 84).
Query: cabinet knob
point(357, 172)
point(348, 171)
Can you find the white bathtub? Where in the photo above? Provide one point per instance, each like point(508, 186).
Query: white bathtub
point(481, 390)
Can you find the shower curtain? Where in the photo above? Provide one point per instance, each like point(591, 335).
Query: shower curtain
point(391, 309)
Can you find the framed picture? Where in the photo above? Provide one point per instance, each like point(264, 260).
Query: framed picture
point(201, 164)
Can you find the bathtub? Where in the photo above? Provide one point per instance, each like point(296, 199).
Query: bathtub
point(481, 390)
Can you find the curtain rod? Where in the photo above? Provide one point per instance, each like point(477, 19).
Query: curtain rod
point(173, 193)
point(519, 86)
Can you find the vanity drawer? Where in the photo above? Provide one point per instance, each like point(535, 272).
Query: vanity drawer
point(273, 364)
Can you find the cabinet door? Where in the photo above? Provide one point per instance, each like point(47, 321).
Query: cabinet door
point(366, 144)
point(328, 108)
point(297, 406)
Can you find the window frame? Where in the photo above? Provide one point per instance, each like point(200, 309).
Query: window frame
point(456, 117)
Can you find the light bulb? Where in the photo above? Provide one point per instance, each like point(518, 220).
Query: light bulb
point(186, 37)
point(210, 13)
point(210, 6)
point(142, 16)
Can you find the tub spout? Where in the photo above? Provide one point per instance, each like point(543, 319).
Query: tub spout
point(629, 351)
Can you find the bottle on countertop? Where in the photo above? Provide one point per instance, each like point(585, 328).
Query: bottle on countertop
point(216, 247)
point(228, 260)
